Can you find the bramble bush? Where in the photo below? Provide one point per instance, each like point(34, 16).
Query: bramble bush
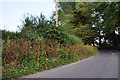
point(22, 57)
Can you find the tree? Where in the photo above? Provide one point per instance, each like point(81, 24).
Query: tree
point(77, 20)
point(110, 12)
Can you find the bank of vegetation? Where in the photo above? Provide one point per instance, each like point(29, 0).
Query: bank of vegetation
point(40, 45)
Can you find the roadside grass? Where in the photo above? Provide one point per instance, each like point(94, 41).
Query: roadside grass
point(39, 57)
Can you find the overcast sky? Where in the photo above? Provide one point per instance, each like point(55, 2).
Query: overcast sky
point(12, 11)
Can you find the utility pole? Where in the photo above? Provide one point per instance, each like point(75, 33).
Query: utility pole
point(56, 13)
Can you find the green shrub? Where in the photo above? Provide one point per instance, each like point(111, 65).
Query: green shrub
point(60, 34)
point(22, 57)
point(11, 35)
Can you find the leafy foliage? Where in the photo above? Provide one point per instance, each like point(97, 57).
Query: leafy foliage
point(76, 19)
point(61, 35)
point(100, 18)
point(11, 35)
point(22, 58)
point(109, 12)
point(44, 29)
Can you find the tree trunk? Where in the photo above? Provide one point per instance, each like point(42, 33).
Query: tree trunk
point(56, 13)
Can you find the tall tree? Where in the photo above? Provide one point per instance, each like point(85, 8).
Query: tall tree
point(77, 19)
point(110, 12)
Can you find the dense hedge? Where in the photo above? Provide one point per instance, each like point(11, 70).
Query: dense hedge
point(60, 34)
point(22, 58)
